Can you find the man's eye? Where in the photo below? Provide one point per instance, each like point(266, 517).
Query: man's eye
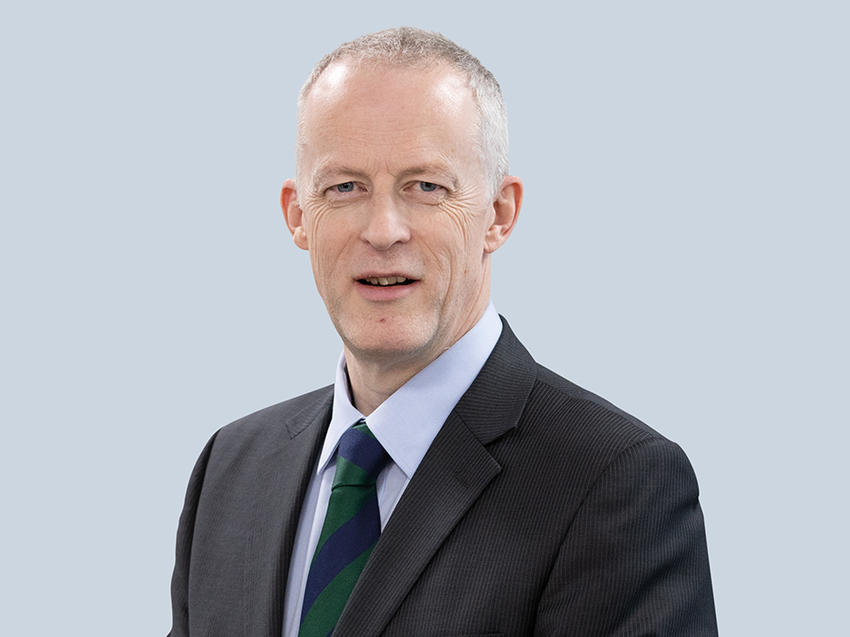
point(427, 186)
point(348, 186)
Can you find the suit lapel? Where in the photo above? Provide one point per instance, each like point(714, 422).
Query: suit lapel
point(275, 506)
point(454, 472)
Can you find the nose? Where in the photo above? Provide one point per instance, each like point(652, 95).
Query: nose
point(386, 224)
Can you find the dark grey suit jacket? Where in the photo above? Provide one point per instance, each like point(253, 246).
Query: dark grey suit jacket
point(540, 509)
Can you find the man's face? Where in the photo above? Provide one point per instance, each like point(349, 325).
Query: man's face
point(395, 207)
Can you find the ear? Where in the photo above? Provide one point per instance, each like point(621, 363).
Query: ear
point(293, 214)
point(506, 206)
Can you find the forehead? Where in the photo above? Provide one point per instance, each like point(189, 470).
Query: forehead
point(374, 109)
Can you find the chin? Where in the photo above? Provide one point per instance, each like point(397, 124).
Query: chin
point(398, 341)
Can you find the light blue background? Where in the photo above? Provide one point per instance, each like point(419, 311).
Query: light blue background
point(682, 250)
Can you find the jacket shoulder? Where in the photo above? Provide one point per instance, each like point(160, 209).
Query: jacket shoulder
point(571, 417)
point(287, 418)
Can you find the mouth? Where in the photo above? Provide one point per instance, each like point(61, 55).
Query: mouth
point(386, 281)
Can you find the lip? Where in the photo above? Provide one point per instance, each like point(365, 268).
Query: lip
point(376, 274)
point(388, 293)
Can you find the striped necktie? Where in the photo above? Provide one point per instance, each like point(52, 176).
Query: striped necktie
point(351, 529)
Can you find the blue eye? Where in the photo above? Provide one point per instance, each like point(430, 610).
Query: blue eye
point(348, 186)
point(427, 186)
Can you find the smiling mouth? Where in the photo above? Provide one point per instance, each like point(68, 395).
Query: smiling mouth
point(386, 281)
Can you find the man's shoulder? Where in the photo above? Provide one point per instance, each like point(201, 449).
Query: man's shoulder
point(552, 414)
point(572, 393)
point(288, 417)
point(569, 416)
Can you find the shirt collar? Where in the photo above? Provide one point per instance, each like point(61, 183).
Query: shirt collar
point(408, 421)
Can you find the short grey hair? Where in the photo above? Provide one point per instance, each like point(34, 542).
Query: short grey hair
point(408, 46)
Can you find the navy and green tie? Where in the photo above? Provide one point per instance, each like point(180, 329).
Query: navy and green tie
point(351, 529)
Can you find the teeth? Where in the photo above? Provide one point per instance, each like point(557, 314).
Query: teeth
point(386, 280)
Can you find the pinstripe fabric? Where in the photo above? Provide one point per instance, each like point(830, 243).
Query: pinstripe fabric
point(351, 528)
point(540, 509)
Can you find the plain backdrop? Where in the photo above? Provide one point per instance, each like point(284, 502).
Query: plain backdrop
point(686, 168)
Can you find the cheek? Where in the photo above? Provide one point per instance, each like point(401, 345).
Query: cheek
point(322, 237)
point(452, 248)
point(456, 223)
point(316, 218)
point(465, 230)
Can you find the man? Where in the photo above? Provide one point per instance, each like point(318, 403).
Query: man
point(446, 484)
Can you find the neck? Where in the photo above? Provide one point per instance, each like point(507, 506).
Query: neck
point(374, 379)
point(373, 382)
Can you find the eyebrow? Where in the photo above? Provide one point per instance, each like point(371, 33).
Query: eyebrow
point(325, 172)
point(425, 169)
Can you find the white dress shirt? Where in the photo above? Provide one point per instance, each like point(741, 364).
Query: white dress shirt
point(405, 424)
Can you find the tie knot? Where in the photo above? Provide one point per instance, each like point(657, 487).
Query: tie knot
point(360, 457)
